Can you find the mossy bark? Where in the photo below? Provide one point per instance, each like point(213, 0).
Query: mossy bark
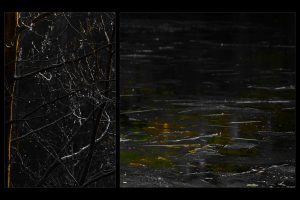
point(10, 55)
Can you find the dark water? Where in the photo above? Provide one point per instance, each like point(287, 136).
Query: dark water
point(207, 103)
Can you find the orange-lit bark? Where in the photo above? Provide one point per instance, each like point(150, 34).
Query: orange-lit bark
point(10, 54)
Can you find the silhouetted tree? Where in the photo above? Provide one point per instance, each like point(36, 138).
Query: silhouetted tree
point(63, 132)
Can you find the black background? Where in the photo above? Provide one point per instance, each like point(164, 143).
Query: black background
point(148, 6)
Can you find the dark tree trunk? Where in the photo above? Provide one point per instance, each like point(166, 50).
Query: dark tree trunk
point(10, 53)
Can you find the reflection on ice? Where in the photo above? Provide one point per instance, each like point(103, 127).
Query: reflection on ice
point(212, 105)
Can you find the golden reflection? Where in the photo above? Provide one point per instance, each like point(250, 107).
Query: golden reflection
point(165, 128)
point(165, 125)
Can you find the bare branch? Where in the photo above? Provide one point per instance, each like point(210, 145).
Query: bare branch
point(41, 128)
point(78, 153)
point(99, 177)
point(55, 162)
point(34, 21)
point(60, 65)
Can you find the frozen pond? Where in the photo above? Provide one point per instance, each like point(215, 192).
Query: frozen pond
point(207, 103)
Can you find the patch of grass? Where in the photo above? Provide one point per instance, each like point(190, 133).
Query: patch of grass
point(137, 159)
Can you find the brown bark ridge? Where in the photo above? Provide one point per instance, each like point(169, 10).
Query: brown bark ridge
point(10, 54)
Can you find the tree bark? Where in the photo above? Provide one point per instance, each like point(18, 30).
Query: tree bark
point(10, 55)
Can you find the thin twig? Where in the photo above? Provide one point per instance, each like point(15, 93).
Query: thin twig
point(34, 21)
point(60, 65)
point(87, 146)
point(55, 162)
point(41, 128)
point(99, 177)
